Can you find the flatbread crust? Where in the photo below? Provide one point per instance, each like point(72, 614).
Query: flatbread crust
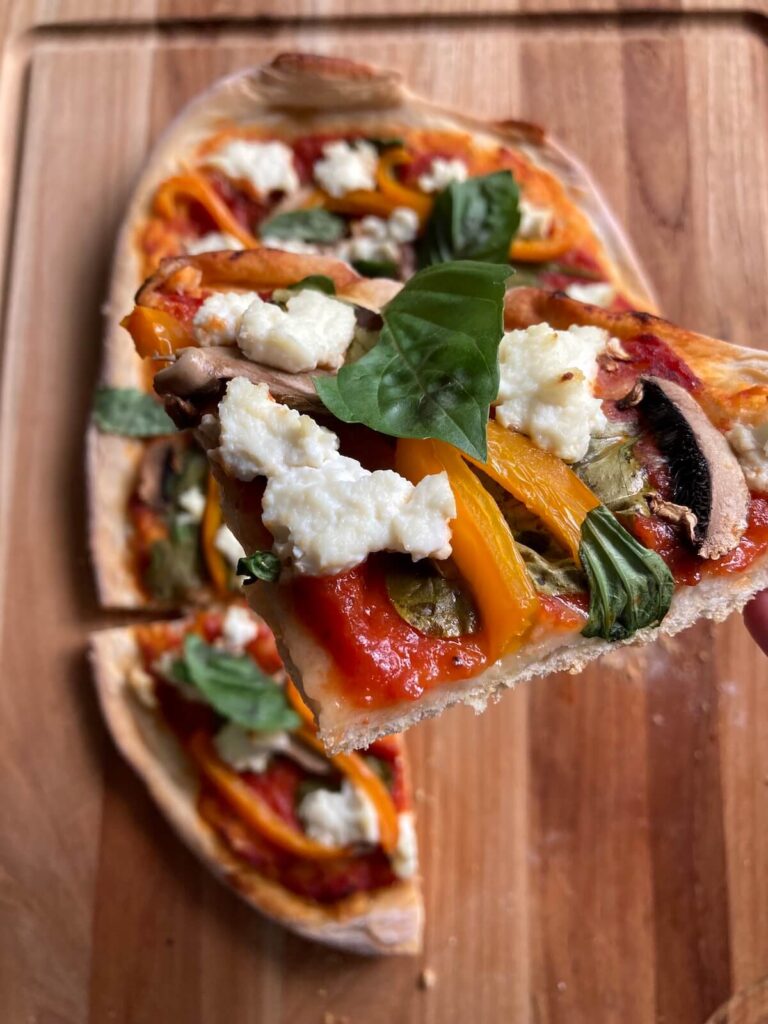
point(294, 93)
point(383, 922)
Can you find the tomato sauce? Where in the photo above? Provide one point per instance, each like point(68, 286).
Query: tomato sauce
point(381, 658)
point(564, 611)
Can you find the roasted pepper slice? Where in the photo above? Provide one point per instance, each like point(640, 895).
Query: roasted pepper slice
point(155, 332)
point(390, 194)
point(195, 186)
point(214, 560)
point(483, 547)
point(541, 481)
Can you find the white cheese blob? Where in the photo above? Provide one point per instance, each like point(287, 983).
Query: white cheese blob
point(217, 320)
point(376, 239)
point(750, 445)
point(294, 245)
point(260, 437)
point(265, 166)
point(546, 387)
point(597, 293)
point(213, 241)
point(326, 520)
point(441, 173)
point(405, 858)
point(345, 167)
point(326, 512)
point(238, 628)
point(313, 330)
point(248, 751)
point(535, 221)
point(228, 546)
point(192, 502)
point(403, 224)
point(339, 818)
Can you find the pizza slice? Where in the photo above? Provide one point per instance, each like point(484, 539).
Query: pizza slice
point(326, 846)
point(472, 486)
point(330, 158)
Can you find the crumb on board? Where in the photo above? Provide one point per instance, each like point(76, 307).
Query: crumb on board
point(331, 1018)
point(427, 979)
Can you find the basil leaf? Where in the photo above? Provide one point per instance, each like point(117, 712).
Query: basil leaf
point(474, 219)
point(375, 268)
point(434, 370)
point(317, 282)
point(130, 413)
point(630, 587)
point(174, 570)
point(612, 472)
point(430, 603)
point(553, 575)
point(261, 565)
point(385, 143)
point(313, 225)
point(235, 686)
point(192, 474)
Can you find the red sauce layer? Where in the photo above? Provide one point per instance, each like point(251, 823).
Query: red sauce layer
point(381, 658)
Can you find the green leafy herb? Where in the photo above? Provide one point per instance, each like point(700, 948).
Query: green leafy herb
point(430, 603)
point(174, 568)
point(261, 565)
point(553, 575)
point(474, 219)
point(313, 225)
point(531, 274)
point(317, 282)
point(382, 768)
point(192, 474)
point(235, 686)
point(386, 143)
point(611, 470)
point(130, 413)
point(434, 370)
point(630, 587)
point(375, 268)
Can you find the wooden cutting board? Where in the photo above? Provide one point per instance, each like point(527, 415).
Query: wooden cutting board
point(595, 848)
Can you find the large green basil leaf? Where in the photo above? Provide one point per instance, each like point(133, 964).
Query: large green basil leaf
point(174, 570)
point(558, 575)
point(430, 603)
point(130, 413)
point(474, 219)
point(235, 686)
point(630, 587)
point(612, 472)
point(313, 225)
point(434, 370)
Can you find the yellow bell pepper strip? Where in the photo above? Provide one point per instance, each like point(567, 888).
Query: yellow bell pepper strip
point(541, 481)
point(217, 567)
point(298, 705)
point(155, 332)
point(251, 808)
point(194, 186)
point(366, 781)
point(569, 228)
point(401, 195)
point(483, 547)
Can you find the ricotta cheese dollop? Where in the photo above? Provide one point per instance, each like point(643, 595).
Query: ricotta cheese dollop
point(405, 859)
point(441, 173)
point(238, 628)
point(313, 330)
point(213, 241)
point(597, 293)
point(326, 512)
point(228, 546)
point(345, 167)
point(339, 818)
point(750, 445)
point(545, 391)
point(217, 320)
point(535, 221)
point(265, 166)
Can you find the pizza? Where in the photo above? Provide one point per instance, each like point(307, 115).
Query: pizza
point(451, 485)
point(203, 711)
point(327, 158)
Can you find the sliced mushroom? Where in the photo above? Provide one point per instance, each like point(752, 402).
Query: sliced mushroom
point(160, 458)
point(706, 476)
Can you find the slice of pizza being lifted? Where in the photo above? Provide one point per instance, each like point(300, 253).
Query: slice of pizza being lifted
point(449, 488)
point(202, 710)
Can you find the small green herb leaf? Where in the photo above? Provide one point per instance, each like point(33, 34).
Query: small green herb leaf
point(261, 565)
point(313, 225)
point(375, 268)
point(630, 587)
point(612, 472)
point(474, 219)
point(317, 282)
point(386, 143)
point(174, 570)
point(430, 603)
point(130, 413)
point(434, 370)
point(553, 576)
point(235, 686)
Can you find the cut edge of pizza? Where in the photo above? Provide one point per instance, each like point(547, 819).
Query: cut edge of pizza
point(298, 836)
point(272, 99)
point(616, 494)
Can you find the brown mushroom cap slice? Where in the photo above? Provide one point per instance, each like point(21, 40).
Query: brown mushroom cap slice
point(706, 475)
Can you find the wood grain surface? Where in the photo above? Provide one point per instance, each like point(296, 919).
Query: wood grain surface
point(595, 848)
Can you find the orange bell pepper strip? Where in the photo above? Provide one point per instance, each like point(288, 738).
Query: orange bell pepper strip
point(191, 185)
point(297, 703)
point(251, 807)
point(483, 547)
point(218, 569)
point(366, 781)
point(541, 481)
point(390, 193)
point(155, 332)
